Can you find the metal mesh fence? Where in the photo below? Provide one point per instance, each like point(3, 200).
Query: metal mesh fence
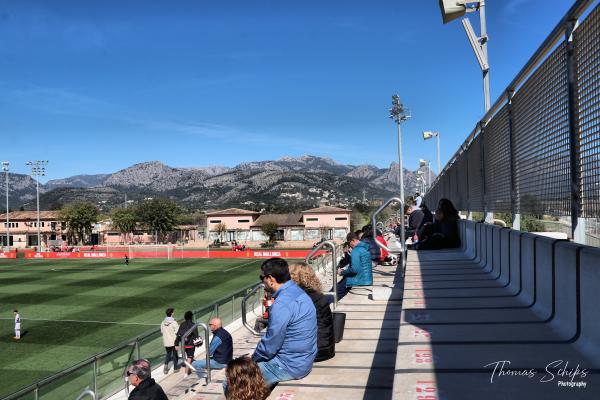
point(541, 138)
point(462, 184)
point(496, 149)
point(474, 173)
point(587, 54)
point(539, 122)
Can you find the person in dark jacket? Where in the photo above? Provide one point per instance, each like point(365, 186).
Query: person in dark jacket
point(305, 277)
point(146, 388)
point(220, 350)
point(188, 346)
point(346, 259)
point(443, 233)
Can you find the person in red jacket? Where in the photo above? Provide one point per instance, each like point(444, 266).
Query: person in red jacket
point(386, 258)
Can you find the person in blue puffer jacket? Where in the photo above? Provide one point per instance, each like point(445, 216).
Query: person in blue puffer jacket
point(360, 270)
point(368, 238)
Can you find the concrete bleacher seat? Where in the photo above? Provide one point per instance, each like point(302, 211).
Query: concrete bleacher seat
point(513, 296)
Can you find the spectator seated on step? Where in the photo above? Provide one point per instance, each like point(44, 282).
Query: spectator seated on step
point(220, 350)
point(360, 270)
point(369, 239)
point(305, 277)
point(443, 232)
point(288, 348)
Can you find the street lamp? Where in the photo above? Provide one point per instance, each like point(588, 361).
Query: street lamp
point(452, 9)
point(428, 135)
point(38, 168)
point(5, 168)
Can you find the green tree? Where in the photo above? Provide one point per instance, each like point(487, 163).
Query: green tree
point(124, 220)
point(270, 230)
point(158, 215)
point(80, 218)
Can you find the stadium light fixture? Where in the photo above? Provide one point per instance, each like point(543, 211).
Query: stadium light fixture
point(431, 134)
point(453, 9)
point(6, 168)
point(38, 168)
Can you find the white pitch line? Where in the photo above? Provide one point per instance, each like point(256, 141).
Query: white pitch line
point(82, 321)
point(237, 266)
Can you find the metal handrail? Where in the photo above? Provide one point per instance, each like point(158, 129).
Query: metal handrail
point(87, 392)
point(244, 309)
point(402, 237)
point(91, 360)
point(333, 267)
point(206, 346)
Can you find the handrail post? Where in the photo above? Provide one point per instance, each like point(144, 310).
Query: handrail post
point(244, 312)
point(402, 237)
point(95, 375)
point(333, 267)
point(87, 392)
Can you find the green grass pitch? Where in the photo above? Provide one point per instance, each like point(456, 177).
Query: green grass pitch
point(73, 309)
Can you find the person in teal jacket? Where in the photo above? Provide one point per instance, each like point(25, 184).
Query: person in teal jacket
point(360, 270)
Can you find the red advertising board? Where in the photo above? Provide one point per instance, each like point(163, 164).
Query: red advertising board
point(8, 254)
point(163, 254)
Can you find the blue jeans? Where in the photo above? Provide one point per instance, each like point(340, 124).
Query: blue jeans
point(200, 366)
point(273, 373)
point(171, 356)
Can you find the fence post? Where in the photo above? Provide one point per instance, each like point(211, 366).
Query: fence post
point(137, 349)
point(232, 308)
point(577, 223)
point(95, 375)
point(514, 193)
point(488, 216)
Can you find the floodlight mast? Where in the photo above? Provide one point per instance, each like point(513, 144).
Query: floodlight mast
point(5, 168)
point(38, 168)
point(399, 114)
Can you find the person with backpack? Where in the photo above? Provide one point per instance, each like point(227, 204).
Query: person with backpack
point(189, 346)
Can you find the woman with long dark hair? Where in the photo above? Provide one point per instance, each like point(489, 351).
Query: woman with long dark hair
point(443, 233)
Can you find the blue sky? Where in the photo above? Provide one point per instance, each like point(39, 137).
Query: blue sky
point(95, 86)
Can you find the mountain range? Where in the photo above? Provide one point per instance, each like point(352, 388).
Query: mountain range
point(290, 183)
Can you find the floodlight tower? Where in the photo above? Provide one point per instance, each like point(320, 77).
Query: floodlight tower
point(400, 114)
point(38, 168)
point(5, 168)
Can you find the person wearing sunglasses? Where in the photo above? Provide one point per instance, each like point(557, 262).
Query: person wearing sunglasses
point(146, 388)
point(288, 349)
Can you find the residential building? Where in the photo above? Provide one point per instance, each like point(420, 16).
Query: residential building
point(23, 228)
point(310, 225)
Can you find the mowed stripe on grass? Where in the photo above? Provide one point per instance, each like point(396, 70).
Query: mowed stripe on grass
point(53, 305)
